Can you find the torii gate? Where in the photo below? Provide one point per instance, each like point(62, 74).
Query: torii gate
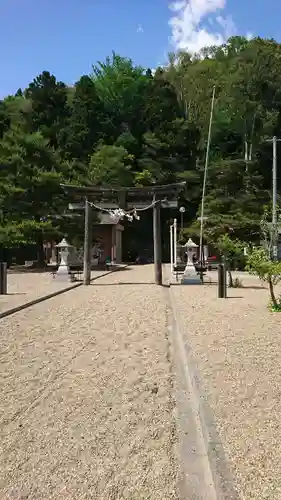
point(126, 198)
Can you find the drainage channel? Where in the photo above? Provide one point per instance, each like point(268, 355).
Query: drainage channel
point(205, 474)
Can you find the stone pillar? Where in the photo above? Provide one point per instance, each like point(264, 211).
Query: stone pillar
point(54, 255)
point(113, 244)
point(118, 246)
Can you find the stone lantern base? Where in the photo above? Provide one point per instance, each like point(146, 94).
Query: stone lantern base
point(190, 276)
point(63, 274)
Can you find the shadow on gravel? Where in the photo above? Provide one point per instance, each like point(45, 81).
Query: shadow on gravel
point(246, 287)
point(129, 283)
point(237, 297)
point(123, 283)
point(52, 268)
point(255, 287)
point(31, 270)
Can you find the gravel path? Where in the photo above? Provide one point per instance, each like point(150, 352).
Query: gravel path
point(236, 350)
point(25, 287)
point(86, 408)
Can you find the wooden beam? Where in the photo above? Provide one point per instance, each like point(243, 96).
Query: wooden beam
point(157, 243)
point(87, 244)
point(129, 192)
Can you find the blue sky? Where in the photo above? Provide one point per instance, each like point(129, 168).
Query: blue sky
point(66, 37)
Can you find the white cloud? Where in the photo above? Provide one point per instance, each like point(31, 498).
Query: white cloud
point(227, 25)
point(140, 29)
point(187, 23)
point(249, 36)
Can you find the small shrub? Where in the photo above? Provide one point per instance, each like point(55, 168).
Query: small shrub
point(275, 308)
point(260, 264)
point(230, 249)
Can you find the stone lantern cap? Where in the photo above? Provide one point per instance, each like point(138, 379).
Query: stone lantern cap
point(64, 244)
point(190, 244)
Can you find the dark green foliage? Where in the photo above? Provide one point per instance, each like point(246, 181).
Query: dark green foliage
point(161, 103)
point(49, 108)
point(30, 191)
point(5, 119)
point(84, 128)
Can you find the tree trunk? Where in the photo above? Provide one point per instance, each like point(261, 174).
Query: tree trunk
point(40, 263)
point(272, 294)
point(230, 278)
point(228, 270)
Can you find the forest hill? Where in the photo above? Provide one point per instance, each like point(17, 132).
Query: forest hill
point(124, 126)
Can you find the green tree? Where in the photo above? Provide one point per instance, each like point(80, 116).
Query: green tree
point(85, 126)
point(161, 103)
point(171, 153)
point(234, 199)
point(230, 250)
point(111, 166)
point(121, 87)
point(30, 190)
point(5, 120)
point(49, 107)
point(260, 264)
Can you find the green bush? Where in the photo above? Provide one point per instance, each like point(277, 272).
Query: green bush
point(269, 271)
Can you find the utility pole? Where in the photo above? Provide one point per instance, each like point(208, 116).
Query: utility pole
point(274, 141)
point(205, 177)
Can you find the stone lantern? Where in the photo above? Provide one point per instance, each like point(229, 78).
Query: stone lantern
point(63, 273)
point(190, 276)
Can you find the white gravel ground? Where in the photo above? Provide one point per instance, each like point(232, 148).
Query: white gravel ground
point(236, 349)
point(27, 286)
point(86, 387)
point(86, 408)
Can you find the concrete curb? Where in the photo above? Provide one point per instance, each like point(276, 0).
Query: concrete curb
point(205, 473)
point(16, 309)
